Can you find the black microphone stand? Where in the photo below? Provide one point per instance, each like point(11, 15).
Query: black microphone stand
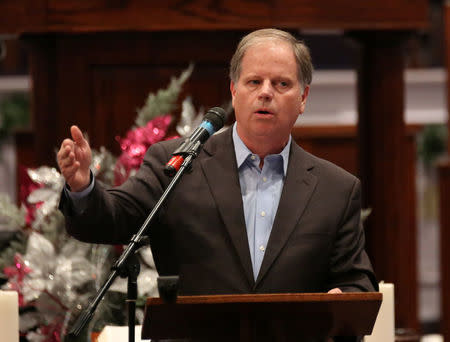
point(124, 267)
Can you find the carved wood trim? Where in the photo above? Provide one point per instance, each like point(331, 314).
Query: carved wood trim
point(39, 16)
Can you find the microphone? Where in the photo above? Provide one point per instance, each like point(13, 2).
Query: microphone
point(212, 122)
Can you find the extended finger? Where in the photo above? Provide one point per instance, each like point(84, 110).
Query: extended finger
point(77, 136)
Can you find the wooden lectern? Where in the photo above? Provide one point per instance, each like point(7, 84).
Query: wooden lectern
point(262, 317)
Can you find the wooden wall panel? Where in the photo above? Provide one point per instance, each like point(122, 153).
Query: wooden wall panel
point(339, 145)
point(336, 144)
point(14, 62)
point(114, 114)
point(113, 117)
point(350, 14)
point(384, 171)
point(16, 15)
point(99, 81)
point(44, 94)
point(249, 14)
point(145, 15)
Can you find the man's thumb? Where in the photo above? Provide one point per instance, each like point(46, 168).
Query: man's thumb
point(77, 136)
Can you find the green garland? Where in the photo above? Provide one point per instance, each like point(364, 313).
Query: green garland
point(432, 142)
point(164, 102)
point(14, 113)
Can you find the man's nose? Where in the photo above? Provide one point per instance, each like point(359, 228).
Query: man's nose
point(266, 91)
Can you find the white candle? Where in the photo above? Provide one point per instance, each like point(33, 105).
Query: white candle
point(118, 334)
point(384, 329)
point(9, 316)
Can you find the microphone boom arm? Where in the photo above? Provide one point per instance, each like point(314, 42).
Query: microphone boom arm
point(134, 244)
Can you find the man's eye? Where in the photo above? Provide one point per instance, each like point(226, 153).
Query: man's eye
point(254, 82)
point(283, 84)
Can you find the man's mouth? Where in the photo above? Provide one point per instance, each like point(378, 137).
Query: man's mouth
point(263, 112)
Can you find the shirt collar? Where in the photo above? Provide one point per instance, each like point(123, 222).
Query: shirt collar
point(242, 151)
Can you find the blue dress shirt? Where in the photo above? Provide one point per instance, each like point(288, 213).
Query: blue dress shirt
point(261, 192)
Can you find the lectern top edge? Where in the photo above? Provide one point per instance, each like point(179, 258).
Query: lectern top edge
point(273, 298)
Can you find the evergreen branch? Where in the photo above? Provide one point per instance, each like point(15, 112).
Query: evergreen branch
point(164, 101)
point(17, 244)
point(11, 216)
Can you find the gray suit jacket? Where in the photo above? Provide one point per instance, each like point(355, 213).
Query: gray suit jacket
point(316, 243)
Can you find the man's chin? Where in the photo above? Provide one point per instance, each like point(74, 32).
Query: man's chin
point(269, 134)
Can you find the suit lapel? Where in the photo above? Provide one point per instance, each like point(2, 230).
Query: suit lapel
point(224, 184)
point(298, 188)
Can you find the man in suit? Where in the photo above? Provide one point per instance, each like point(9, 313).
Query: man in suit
point(257, 214)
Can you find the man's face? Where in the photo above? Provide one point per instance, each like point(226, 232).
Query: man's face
point(267, 98)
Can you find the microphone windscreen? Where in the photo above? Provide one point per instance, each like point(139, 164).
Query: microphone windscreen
point(216, 116)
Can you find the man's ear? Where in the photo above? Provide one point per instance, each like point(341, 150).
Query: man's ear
point(304, 97)
point(232, 91)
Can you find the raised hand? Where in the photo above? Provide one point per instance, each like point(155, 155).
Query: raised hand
point(74, 158)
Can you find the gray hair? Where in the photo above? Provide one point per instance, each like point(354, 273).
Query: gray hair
point(301, 52)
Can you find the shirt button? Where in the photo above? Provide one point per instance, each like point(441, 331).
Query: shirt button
point(253, 157)
point(264, 179)
point(263, 213)
point(261, 248)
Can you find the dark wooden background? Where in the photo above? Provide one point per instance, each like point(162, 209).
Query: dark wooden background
point(93, 63)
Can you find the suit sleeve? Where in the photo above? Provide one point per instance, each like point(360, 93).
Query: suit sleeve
point(350, 267)
point(113, 215)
